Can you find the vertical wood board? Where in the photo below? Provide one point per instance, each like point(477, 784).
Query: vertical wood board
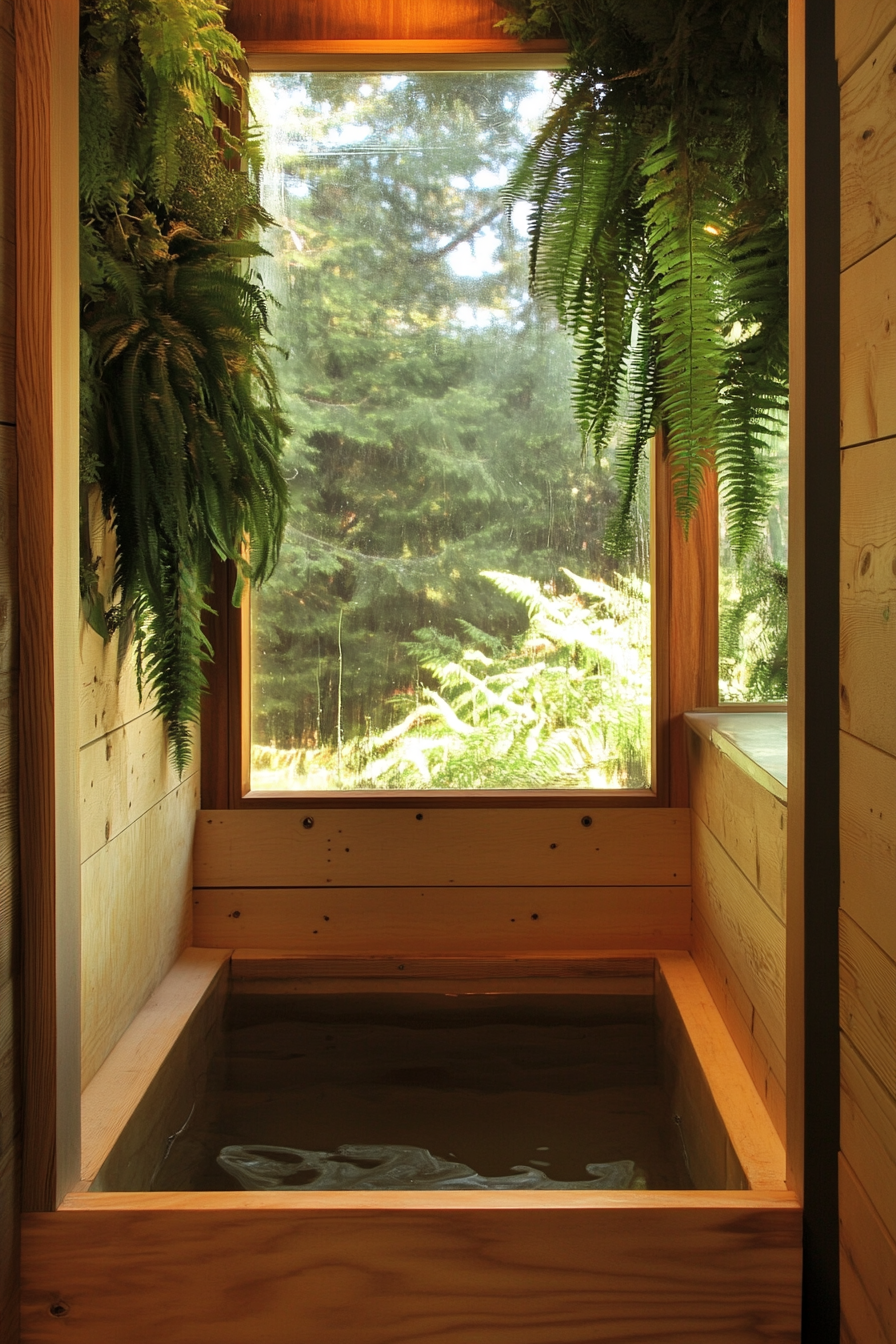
point(868, 1260)
point(496, 1275)
point(868, 1132)
point(868, 348)
point(868, 154)
point(868, 840)
point(868, 1000)
point(7, 229)
point(136, 919)
point(751, 936)
point(749, 822)
point(868, 593)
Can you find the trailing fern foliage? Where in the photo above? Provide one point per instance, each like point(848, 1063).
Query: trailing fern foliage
point(658, 223)
point(181, 426)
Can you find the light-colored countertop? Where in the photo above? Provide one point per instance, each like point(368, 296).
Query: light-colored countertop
point(755, 738)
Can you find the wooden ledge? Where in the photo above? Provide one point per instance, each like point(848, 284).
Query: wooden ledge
point(753, 737)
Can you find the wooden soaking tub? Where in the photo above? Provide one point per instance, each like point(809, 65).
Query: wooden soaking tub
point(121, 1261)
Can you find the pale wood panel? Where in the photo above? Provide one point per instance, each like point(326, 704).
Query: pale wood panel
point(868, 839)
point(861, 24)
point(116, 1094)
point(750, 935)
point(7, 228)
point(868, 155)
point(122, 776)
point(749, 822)
point(647, 1270)
point(764, 1062)
point(757, 1148)
point(135, 919)
point(409, 847)
point(477, 921)
point(868, 1132)
point(867, 1265)
point(868, 1000)
point(868, 348)
point(868, 593)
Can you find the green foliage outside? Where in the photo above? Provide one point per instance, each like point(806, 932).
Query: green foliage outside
point(567, 702)
point(181, 424)
point(433, 447)
point(659, 232)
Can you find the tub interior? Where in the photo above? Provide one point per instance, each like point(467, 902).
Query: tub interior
point(548, 1082)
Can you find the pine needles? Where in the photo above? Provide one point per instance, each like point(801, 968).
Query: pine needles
point(181, 426)
point(659, 232)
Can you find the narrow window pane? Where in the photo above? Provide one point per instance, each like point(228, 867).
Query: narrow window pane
point(445, 615)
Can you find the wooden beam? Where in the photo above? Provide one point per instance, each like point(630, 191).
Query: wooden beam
point(47, 403)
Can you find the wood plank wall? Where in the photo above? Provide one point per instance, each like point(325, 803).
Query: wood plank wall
point(10, 1107)
point(739, 875)
point(866, 50)
point(137, 822)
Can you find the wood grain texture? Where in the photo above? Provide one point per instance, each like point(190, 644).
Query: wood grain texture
point(757, 1149)
point(764, 1061)
point(9, 830)
point(868, 594)
point(10, 1212)
point(867, 1265)
point(750, 935)
point(476, 921)
point(868, 1000)
point(414, 54)
point(462, 847)
point(135, 919)
point(868, 154)
point(9, 570)
point(128, 1091)
point(122, 776)
point(868, 1132)
point(7, 229)
point(868, 348)
point(47, 360)
point(693, 623)
point(861, 25)
point(263, 964)
point(648, 1270)
point(868, 840)
point(749, 822)
point(342, 20)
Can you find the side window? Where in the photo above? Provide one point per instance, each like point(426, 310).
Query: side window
point(448, 613)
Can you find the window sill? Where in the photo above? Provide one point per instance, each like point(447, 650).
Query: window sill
point(755, 738)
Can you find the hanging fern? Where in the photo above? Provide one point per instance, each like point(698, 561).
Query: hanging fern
point(181, 426)
point(658, 230)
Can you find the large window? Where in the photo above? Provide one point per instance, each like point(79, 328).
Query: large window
point(446, 613)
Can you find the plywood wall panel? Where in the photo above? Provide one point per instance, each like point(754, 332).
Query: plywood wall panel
point(868, 155)
point(868, 348)
point(868, 839)
point(343, 20)
point(867, 1264)
point(868, 593)
point(861, 24)
point(748, 821)
point(750, 935)
point(868, 1000)
point(135, 918)
point(868, 1132)
point(123, 775)
point(474, 921)
point(406, 847)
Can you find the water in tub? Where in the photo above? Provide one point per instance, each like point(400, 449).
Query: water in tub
point(383, 1091)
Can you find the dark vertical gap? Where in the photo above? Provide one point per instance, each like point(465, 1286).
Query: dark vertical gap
point(821, 1309)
